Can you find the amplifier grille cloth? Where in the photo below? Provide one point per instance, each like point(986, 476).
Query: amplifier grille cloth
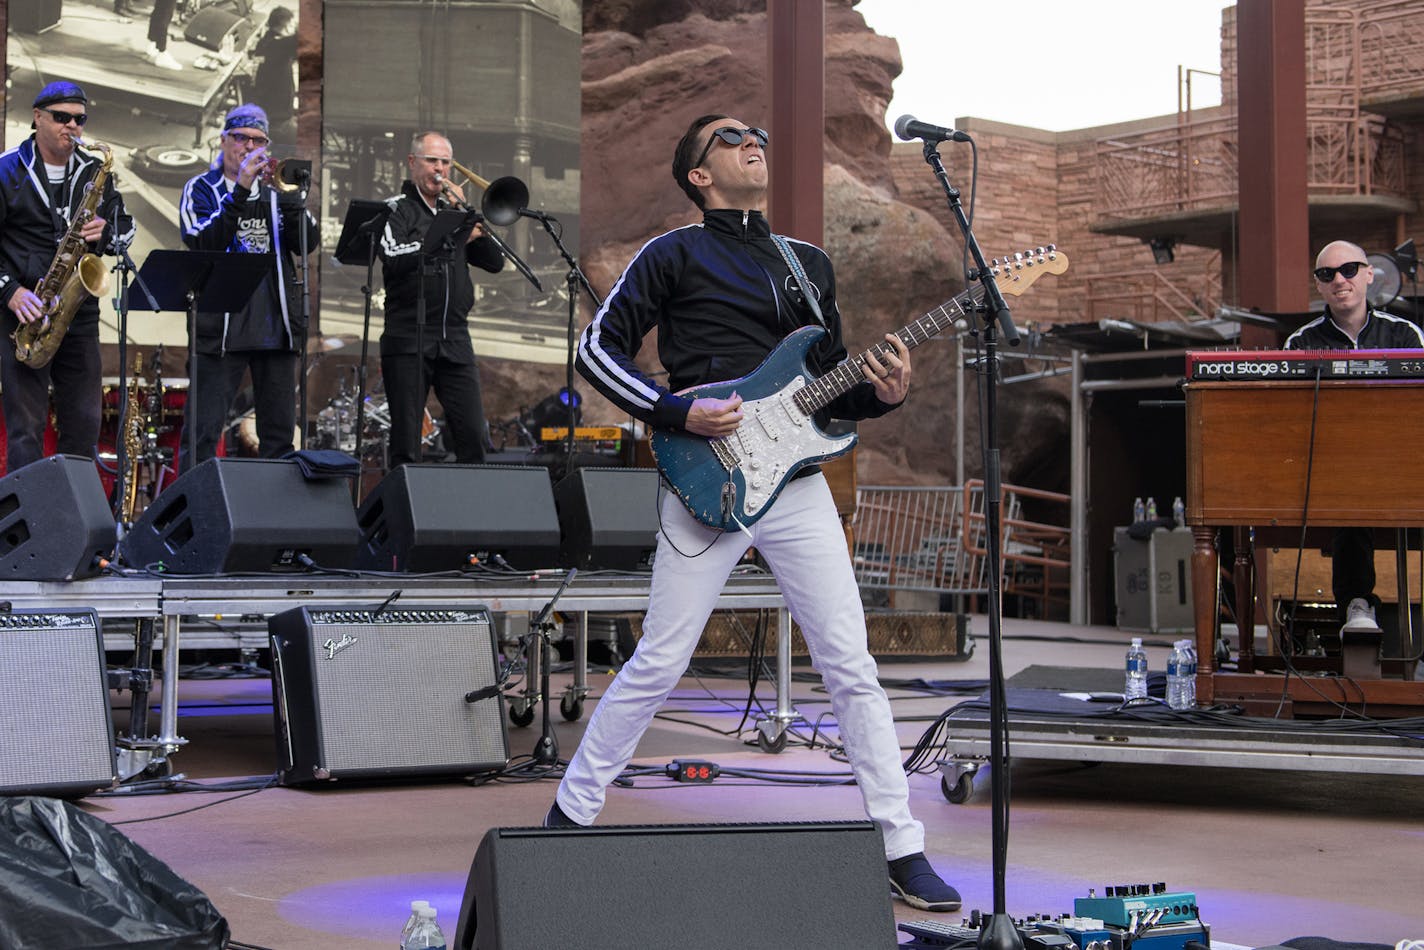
point(403, 688)
point(55, 727)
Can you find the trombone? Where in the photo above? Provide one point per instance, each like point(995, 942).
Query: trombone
point(502, 202)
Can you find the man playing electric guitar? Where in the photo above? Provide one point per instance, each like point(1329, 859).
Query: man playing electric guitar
point(722, 295)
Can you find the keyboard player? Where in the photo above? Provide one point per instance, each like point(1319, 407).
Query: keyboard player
point(1343, 276)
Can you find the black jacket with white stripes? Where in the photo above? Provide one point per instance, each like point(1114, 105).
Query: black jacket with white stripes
point(1382, 331)
point(30, 228)
point(449, 292)
point(721, 298)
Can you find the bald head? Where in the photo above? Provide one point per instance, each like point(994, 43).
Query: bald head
point(1341, 250)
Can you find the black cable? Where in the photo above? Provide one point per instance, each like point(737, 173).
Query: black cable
point(179, 785)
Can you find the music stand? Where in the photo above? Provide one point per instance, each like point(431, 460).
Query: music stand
point(365, 219)
point(211, 281)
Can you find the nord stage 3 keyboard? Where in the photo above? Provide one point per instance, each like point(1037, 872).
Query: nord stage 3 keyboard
point(1305, 364)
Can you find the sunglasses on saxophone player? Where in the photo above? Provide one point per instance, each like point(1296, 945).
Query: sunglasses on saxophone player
point(1350, 268)
point(61, 117)
point(731, 136)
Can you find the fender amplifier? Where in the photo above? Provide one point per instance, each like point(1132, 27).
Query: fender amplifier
point(366, 692)
point(57, 735)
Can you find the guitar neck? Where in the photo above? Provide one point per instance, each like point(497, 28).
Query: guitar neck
point(824, 390)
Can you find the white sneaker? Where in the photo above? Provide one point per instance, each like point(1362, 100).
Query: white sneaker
point(163, 59)
point(1359, 615)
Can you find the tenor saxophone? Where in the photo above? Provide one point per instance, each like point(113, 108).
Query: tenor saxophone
point(73, 276)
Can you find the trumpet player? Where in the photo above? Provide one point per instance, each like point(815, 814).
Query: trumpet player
point(234, 207)
point(42, 183)
point(446, 361)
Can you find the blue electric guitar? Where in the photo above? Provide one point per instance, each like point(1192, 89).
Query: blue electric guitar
point(731, 481)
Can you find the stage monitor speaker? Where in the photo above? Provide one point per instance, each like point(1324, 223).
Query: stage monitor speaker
point(698, 886)
point(55, 523)
point(367, 692)
point(35, 16)
point(424, 518)
point(212, 26)
point(609, 518)
point(253, 515)
point(56, 735)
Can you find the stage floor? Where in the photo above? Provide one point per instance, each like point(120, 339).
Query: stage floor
point(1271, 854)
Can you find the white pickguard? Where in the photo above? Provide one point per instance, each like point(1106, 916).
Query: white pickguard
point(774, 436)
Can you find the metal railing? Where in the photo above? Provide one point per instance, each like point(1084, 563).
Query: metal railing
point(934, 539)
point(1374, 52)
point(1150, 297)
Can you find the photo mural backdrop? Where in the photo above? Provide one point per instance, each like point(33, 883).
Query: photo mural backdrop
point(500, 79)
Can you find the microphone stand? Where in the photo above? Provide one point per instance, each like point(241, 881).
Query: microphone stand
point(998, 931)
point(366, 292)
point(546, 750)
point(124, 267)
point(303, 175)
point(574, 280)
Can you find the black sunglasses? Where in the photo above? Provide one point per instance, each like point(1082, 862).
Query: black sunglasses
point(1350, 268)
point(64, 118)
point(732, 137)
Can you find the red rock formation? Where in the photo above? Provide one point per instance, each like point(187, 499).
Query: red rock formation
point(651, 66)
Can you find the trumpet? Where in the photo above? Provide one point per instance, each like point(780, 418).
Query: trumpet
point(276, 172)
point(502, 200)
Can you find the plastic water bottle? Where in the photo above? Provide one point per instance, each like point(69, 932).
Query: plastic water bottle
point(1189, 647)
point(427, 934)
point(1177, 663)
point(411, 921)
point(1136, 687)
point(1139, 511)
point(1179, 512)
point(1151, 509)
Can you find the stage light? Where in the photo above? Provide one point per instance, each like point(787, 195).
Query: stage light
point(553, 411)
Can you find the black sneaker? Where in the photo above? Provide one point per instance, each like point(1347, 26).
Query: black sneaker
point(916, 883)
point(557, 819)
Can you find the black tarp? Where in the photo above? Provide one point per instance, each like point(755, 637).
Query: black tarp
point(68, 879)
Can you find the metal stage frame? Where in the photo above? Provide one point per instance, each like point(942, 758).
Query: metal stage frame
point(245, 602)
point(1254, 744)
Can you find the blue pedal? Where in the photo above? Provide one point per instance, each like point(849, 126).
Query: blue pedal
point(1129, 909)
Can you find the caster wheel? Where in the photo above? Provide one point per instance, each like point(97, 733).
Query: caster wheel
point(521, 717)
point(960, 791)
point(571, 708)
point(158, 768)
point(772, 746)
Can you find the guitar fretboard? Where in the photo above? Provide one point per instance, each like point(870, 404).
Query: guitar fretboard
point(820, 392)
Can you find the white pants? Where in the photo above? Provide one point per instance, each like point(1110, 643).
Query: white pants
point(802, 540)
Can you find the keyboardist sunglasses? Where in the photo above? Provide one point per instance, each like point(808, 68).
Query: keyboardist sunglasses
point(1350, 268)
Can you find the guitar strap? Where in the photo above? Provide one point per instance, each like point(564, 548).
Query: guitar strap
point(794, 263)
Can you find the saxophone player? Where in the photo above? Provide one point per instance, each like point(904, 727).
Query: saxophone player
point(42, 185)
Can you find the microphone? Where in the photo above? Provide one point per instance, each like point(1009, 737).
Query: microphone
point(488, 692)
point(908, 127)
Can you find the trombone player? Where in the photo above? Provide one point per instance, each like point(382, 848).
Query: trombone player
point(446, 361)
point(235, 206)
